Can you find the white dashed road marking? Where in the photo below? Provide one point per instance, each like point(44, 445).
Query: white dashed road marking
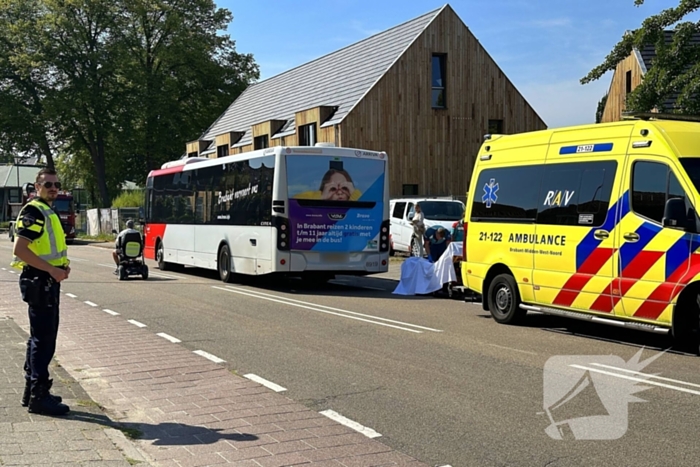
point(136, 323)
point(209, 356)
point(368, 432)
point(90, 303)
point(71, 295)
point(113, 313)
point(264, 382)
point(172, 339)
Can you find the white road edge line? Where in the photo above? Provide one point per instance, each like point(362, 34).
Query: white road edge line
point(90, 303)
point(333, 415)
point(314, 309)
point(71, 295)
point(639, 380)
point(113, 313)
point(264, 382)
point(136, 323)
point(168, 337)
point(511, 348)
point(208, 356)
point(334, 309)
point(647, 374)
point(158, 274)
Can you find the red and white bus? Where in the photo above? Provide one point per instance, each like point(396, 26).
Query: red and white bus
point(308, 211)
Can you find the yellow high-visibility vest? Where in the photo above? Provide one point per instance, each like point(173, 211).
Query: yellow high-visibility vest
point(51, 246)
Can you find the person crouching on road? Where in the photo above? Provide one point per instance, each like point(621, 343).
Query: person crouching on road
point(436, 242)
point(41, 253)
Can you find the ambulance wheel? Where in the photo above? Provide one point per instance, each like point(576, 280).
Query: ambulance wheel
point(504, 300)
point(224, 264)
point(686, 322)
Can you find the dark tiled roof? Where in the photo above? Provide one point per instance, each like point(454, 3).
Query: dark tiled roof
point(339, 79)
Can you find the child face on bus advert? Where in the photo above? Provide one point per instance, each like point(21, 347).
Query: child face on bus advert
point(337, 186)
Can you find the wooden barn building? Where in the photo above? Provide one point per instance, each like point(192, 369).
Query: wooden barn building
point(629, 74)
point(426, 92)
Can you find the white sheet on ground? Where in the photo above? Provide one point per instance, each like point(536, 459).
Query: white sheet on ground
point(417, 277)
point(444, 267)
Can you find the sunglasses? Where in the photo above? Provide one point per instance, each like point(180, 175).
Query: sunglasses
point(49, 185)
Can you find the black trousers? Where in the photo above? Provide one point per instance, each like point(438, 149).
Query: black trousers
point(42, 295)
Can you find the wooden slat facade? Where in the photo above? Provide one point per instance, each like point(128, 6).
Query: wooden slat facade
point(436, 148)
point(617, 94)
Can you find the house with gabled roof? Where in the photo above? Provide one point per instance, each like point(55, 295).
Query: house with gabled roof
point(425, 91)
point(630, 73)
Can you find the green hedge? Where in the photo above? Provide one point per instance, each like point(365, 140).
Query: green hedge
point(130, 199)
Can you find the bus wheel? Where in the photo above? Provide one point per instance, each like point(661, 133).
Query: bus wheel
point(224, 264)
point(160, 257)
point(504, 300)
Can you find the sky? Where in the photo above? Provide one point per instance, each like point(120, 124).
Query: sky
point(544, 47)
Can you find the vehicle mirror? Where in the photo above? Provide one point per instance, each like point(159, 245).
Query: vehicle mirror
point(114, 231)
point(410, 216)
point(675, 215)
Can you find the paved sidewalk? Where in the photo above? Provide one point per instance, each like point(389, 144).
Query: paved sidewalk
point(184, 409)
point(83, 438)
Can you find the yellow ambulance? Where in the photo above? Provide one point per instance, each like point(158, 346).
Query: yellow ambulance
point(597, 222)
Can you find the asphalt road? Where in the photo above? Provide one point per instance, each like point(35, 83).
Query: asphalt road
point(437, 378)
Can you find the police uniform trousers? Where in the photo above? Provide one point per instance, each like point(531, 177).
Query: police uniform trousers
point(42, 295)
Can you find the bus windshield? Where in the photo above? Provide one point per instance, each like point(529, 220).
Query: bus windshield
point(335, 203)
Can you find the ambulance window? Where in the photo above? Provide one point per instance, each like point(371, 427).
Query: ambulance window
point(576, 193)
point(649, 188)
point(507, 194)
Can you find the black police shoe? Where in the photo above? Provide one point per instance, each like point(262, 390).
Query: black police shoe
point(27, 393)
point(41, 402)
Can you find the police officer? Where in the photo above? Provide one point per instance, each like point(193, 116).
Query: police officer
point(41, 253)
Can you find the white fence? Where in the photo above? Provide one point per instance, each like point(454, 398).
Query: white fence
point(104, 221)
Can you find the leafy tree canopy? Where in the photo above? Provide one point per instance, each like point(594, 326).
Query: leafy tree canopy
point(119, 85)
point(676, 67)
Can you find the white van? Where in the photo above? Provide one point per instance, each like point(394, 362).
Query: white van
point(437, 211)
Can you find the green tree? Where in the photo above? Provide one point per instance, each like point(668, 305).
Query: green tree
point(83, 55)
point(601, 108)
point(25, 123)
point(122, 84)
point(676, 68)
point(182, 75)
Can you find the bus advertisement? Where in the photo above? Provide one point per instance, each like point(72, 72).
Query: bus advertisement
point(305, 211)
